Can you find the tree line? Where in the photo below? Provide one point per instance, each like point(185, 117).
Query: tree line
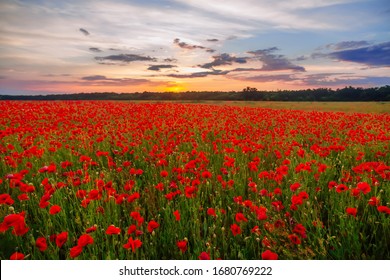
point(248, 93)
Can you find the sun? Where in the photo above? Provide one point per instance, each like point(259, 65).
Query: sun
point(175, 87)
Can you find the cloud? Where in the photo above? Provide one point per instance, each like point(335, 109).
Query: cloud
point(84, 31)
point(199, 74)
point(95, 50)
point(94, 78)
point(101, 80)
point(348, 45)
point(343, 79)
point(273, 62)
point(267, 78)
point(184, 45)
point(170, 60)
point(223, 59)
point(160, 66)
point(375, 55)
point(124, 58)
point(212, 40)
point(2, 77)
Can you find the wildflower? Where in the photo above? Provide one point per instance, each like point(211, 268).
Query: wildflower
point(41, 244)
point(211, 212)
point(76, 251)
point(204, 256)
point(55, 209)
point(182, 245)
point(152, 225)
point(294, 239)
point(235, 229)
point(17, 256)
point(133, 244)
point(351, 211)
point(61, 239)
point(84, 240)
point(268, 255)
point(240, 218)
point(113, 230)
point(177, 215)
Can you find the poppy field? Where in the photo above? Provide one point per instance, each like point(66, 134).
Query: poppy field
point(115, 180)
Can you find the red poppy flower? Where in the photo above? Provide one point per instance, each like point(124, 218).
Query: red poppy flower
point(94, 195)
point(17, 222)
point(268, 255)
point(131, 229)
point(81, 193)
point(240, 218)
point(91, 229)
point(301, 230)
point(17, 256)
point(351, 211)
point(373, 201)
point(41, 244)
point(384, 209)
point(211, 212)
point(204, 256)
point(84, 240)
point(235, 229)
point(61, 239)
point(23, 197)
point(76, 251)
point(133, 244)
point(54, 209)
point(6, 199)
point(177, 215)
point(256, 230)
point(206, 174)
point(182, 245)
point(112, 230)
point(364, 187)
point(294, 239)
point(295, 186)
point(341, 188)
point(152, 225)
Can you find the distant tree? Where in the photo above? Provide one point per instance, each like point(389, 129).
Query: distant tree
point(249, 89)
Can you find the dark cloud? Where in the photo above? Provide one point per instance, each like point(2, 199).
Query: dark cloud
point(375, 55)
point(170, 60)
point(223, 59)
point(301, 58)
point(199, 74)
point(95, 50)
point(343, 79)
point(103, 80)
point(275, 62)
point(184, 45)
point(268, 78)
point(233, 37)
point(55, 75)
point(94, 78)
point(84, 31)
point(212, 40)
point(160, 66)
point(123, 58)
point(2, 77)
point(348, 45)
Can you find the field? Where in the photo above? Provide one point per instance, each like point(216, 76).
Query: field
point(120, 180)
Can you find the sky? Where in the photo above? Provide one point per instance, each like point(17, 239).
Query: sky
point(192, 45)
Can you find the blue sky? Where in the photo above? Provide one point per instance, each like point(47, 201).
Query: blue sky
point(177, 45)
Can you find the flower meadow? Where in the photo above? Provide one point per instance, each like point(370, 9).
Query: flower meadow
point(116, 180)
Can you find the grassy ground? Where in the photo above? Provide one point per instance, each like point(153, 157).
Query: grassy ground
point(349, 107)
